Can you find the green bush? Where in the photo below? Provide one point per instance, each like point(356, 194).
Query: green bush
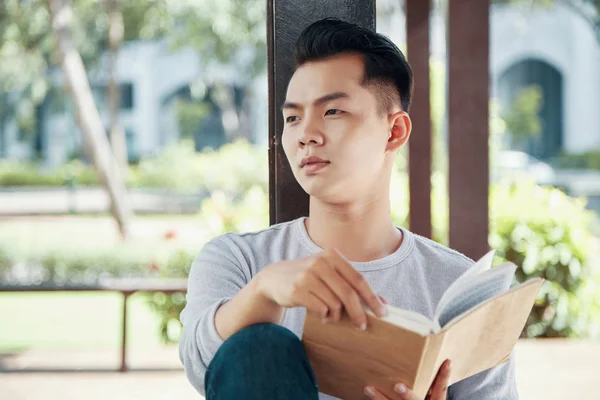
point(548, 234)
point(586, 160)
point(221, 212)
point(234, 168)
point(168, 307)
point(19, 264)
point(25, 174)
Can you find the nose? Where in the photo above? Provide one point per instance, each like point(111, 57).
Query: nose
point(311, 133)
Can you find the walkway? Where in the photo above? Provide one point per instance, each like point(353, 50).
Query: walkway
point(546, 370)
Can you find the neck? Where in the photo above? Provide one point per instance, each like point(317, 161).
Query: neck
point(361, 232)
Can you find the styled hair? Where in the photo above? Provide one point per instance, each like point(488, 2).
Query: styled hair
point(385, 67)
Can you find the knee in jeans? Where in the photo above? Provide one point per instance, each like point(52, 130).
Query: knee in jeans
point(259, 353)
point(261, 339)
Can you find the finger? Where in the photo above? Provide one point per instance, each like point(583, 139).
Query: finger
point(375, 394)
point(405, 393)
point(320, 289)
point(439, 388)
point(383, 300)
point(312, 303)
point(345, 293)
point(357, 281)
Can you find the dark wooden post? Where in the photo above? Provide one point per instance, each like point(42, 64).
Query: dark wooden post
point(468, 110)
point(417, 29)
point(285, 21)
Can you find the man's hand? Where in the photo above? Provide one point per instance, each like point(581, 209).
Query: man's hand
point(438, 390)
point(323, 283)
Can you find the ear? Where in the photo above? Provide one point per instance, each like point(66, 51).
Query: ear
point(400, 127)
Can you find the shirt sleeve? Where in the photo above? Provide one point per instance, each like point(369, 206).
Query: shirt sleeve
point(497, 383)
point(215, 277)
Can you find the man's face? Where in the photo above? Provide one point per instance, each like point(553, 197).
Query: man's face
point(328, 114)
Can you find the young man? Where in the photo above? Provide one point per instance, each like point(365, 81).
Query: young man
point(345, 120)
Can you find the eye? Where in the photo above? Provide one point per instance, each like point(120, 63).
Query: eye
point(290, 119)
point(333, 111)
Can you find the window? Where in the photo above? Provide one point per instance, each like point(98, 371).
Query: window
point(127, 96)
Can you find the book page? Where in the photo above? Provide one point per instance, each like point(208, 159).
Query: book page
point(410, 320)
point(484, 264)
point(477, 290)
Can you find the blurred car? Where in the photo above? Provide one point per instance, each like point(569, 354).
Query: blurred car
point(517, 165)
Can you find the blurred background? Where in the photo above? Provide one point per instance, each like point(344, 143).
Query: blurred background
point(132, 131)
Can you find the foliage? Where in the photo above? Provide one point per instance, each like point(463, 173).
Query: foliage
point(585, 160)
point(22, 264)
point(189, 114)
point(231, 31)
point(246, 212)
point(222, 28)
point(548, 234)
point(221, 213)
point(170, 306)
point(235, 166)
point(522, 118)
point(27, 52)
point(14, 173)
point(145, 20)
point(25, 44)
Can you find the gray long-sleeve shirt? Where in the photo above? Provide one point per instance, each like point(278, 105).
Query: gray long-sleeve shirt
point(414, 278)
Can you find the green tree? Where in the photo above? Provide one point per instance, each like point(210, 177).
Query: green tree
point(27, 47)
point(522, 117)
point(226, 33)
point(30, 60)
point(27, 51)
point(97, 145)
point(188, 115)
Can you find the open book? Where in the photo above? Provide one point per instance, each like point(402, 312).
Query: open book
point(477, 323)
point(475, 286)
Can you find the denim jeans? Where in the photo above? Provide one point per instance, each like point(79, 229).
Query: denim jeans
point(263, 361)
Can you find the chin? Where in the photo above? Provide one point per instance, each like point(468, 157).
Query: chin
point(314, 189)
point(325, 193)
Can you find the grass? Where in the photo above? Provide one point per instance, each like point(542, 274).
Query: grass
point(40, 235)
point(85, 319)
point(74, 320)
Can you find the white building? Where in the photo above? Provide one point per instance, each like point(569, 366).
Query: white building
point(152, 77)
point(554, 48)
point(558, 50)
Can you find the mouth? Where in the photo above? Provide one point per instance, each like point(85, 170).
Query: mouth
point(313, 160)
point(314, 166)
point(308, 164)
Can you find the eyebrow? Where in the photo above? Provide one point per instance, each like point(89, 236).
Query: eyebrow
point(317, 102)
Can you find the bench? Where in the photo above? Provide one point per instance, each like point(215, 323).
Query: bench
point(126, 286)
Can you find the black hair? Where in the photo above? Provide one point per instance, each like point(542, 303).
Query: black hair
point(385, 66)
